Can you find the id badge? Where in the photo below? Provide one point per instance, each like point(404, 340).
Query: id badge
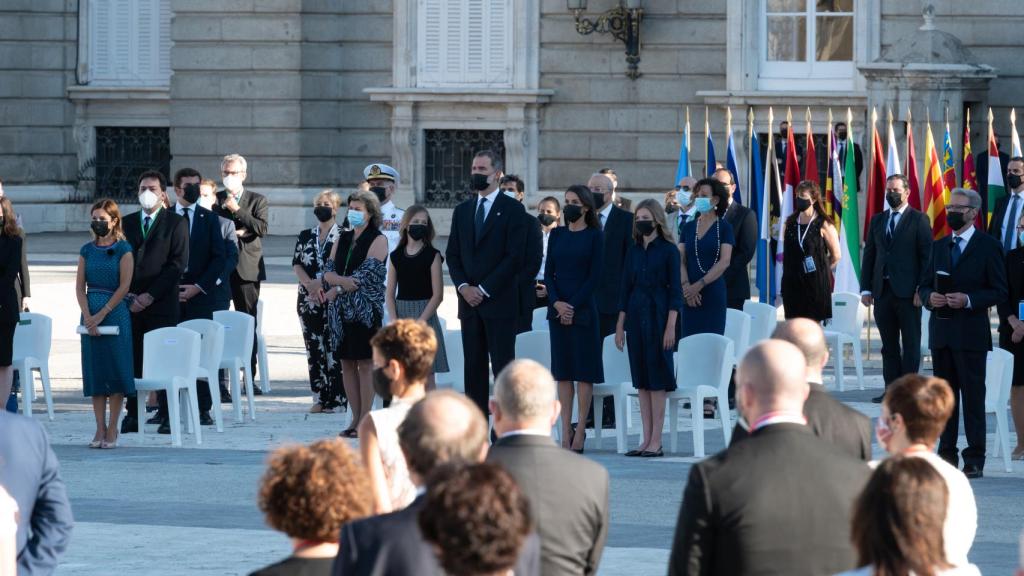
point(809, 266)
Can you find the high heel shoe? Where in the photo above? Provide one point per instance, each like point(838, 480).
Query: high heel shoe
point(110, 445)
point(95, 443)
point(577, 450)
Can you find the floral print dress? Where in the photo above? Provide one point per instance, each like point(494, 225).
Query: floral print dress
point(312, 253)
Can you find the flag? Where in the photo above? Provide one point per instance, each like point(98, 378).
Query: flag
point(756, 189)
point(834, 180)
point(996, 189)
point(709, 148)
point(876, 176)
point(948, 168)
point(683, 167)
point(934, 189)
point(970, 177)
point(792, 178)
point(1014, 137)
point(848, 269)
point(730, 158)
point(912, 177)
point(766, 287)
point(892, 159)
point(810, 155)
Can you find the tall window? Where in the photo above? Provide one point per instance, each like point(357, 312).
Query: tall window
point(806, 40)
point(464, 43)
point(129, 42)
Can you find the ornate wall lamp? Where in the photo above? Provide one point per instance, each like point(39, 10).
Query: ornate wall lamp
point(622, 22)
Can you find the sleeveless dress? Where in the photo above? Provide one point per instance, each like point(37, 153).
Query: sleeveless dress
point(355, 344)
point(806, 295)
point(386, 422)
point(414, 292)
point(107, 366)
point(709, 317)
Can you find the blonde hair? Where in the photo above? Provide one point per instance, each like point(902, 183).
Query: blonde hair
point(330, 195)
point(657, 214)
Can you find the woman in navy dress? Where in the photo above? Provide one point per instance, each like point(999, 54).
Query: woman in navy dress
point(571, 272)
point(104, 276)
point(706, 247)
point(648, 310)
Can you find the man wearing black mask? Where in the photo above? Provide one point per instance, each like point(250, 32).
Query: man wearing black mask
point(1003, 226)
point(781, 142)
point(533, 252)
point(842, 135)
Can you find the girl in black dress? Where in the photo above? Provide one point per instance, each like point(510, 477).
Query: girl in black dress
point(10, 265)
point(811, 251)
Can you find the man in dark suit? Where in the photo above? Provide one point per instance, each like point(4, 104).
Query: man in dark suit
point(829, 419)
point(31, 475)
point(222, 292)
point(895, 259)
point(842, 137)
point(485, 256)
point(443, 428)
point(533, 252)
point(249, 211)
point(568, 493)
point(744, 230)
point(197, 292)
point(1003, 225)
point(159, 240)
point(778, 502)
point(781, 143)
point(973, 279)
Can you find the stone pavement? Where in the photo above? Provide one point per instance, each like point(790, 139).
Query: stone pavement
point(152, 509)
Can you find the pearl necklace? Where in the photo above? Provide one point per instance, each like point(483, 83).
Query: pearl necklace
point(696, 250)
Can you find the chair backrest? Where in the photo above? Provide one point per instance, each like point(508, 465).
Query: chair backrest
point(540, 318)
point(239, 331)
point(212, 345)
point(763, 319)
point(998, 379)
point(616, 364)
point(535, 345)
point(456, 360)
point(170, 352)
point(926, 315)
point(259, 316)
point(848, 314)
point(33, 335)
point(704, 360)
point(737, 329)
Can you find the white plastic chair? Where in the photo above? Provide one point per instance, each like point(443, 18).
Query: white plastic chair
point(210, 351)
point(170, 362)
point(763, 319)
point(737, 329)
point(998, 380)
point(707, 377)
point(848, 316)
point(926, 350)
point(535, 345)
point(238, 337)
point(32, 338)
point(616, 376)
point(455, 378)
point(262, 368)
point(540, 318)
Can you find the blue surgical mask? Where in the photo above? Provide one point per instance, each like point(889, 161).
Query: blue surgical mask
point(703, 204)
point(356, 218)
point(1020, 238)
point(683, 197)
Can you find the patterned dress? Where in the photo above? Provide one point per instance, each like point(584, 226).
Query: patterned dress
point(312, 253)
point(107, 360)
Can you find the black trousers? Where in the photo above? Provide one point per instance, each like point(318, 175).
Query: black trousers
point(245, 295)
point(483, 339)
point(141, 323)
point(965, 372)
point(899, 322)
point(736, 304)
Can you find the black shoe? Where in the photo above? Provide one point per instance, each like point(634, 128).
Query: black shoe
point(972, 471)
point(204, 418)
point(156, 419)
point(878, 399)
point(129, 424)
point(165, 427)
point(633, 453)
point(257, 391)
point(152, 409)
point(608, 422)
point(652, 454)
point(225, 395)
point(577, 450)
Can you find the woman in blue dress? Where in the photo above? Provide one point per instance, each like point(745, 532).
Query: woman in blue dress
point(648, 310)
point(571, 272)
point(104, 276)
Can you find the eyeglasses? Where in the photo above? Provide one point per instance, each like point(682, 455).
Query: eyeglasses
point(231, 172)
point(957, 208)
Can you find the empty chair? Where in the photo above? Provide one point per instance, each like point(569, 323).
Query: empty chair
point(616, 376)
point(848, 316)
point(535, 345)
point(454, 378)
point(737, 329)
point(540, 318)
point(32, 352)
point(698, 380)
point(238, 336)
point(262, 367)
point(926, 351)
point(998, 380)
point(170, 362)
point(210, 352)
point(763, 319)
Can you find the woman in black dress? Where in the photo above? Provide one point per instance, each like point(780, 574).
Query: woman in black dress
point(354, 285)
point(811, 251)
point(1011, 335)
point(10, 266)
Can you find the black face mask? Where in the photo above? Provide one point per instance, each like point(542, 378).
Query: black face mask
point(841, 135)
point(546, 219)
point(380, 192)
point(1013, 180)
point(894, 199)
point(100, 228)
point(801, 204)
point(478, 182)
point(417, 231)
point(382, 384)
point(190, 193)
point(572, 212)
point(956, 220)
point(644, 227)
point(598, 198)
point(323, 213)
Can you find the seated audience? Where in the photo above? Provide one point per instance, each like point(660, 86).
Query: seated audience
point(568, 493)
point(309, 492)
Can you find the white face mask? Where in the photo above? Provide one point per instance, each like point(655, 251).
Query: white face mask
point(206, 202)
point(510, 194)
point(683, 197)
point(148, 200)
point(233, 182)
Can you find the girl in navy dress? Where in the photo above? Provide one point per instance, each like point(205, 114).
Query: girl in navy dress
point(648, 310)
point(571, 272)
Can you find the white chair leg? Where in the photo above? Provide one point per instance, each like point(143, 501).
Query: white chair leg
point(190, 424)
point(261, 361)
point(858, 363)
point(723, 415)
point(621, 423)
point(140, 403)
point(1003, 437)
point(236, 394)
point(174, 417)
point(673, 424)
point(218, 412)
point(193, 406)
point(250, 396)
point(597, 417)
point(697, 422)
point(840, 374)
point(26, 390)
point(44, 375)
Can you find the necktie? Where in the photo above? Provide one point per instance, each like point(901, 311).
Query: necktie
point(1011, 223)
point(955, 251)
point(892, 225)
point(188, 221)
point(145, 226)
point(602, 220)
point(479, 220)
point(679, 229)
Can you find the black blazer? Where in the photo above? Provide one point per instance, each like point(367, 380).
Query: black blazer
point(858, 159)
point(251, 218)
point(1015, 293)
point(618, 237)
point(995, 225)
point(568, 500)
point(904, 259)
point(22, 286)
point(10, 267)
point(206, 255)
point(230, 238)
point(832, 421)
point(492, 262)
point(779, 502)
point(981, 274)
point(533, 253)
point(744, 227)
point(159, 259)
point(392, 545)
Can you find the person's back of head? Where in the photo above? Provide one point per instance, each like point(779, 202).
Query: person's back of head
point(443, 427)
point(476, 519)
point(406, 348)
point(918, 408)
point(771, 377)
point(898, 519)
point(524, 398)
point(809, 338)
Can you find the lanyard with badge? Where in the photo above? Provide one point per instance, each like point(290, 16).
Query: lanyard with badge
point(320, 249)
point(809, 266)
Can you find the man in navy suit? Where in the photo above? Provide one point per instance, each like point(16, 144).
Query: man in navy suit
point(222, 292)
point(485, 254)
point(31, 475)
point(744, 230)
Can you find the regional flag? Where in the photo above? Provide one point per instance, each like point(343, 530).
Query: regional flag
point(709, 148)
point(934, 189)
point(766, 287)
point(792, 179)
point(912, 178)
point(996, 189)
point(848, 269)
point(683, 167)
point(730, 159)
point(948, 167)
point(834, 179)
point(811, 155)
point(876, 176)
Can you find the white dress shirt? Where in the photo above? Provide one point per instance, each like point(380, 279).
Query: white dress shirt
point(602, 216)
point(544, 254)
point(191, 214)
point(1014, 241)
point(490, 203)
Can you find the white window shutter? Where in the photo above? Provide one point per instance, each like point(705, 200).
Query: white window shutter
point(129, 42)
point(464, 43)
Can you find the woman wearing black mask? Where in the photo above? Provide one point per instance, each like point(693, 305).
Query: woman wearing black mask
point(571, 272)
point(811, 251)
point(549, 211)
point(415, 284)
point(312, 250)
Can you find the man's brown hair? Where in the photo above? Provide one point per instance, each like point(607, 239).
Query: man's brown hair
point(924, 402)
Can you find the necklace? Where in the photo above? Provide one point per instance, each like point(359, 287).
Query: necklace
point(718, 247)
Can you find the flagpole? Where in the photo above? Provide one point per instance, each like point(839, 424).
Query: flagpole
point(769, 254)
point(707, 138)
point(750, 161)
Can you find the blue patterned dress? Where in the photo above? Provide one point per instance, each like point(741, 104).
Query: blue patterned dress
point(106, 360)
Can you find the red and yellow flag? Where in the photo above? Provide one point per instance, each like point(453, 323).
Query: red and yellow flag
point(934, 189)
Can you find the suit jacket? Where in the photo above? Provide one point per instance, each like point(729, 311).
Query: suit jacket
point(568, 500)
point(251, 226)
point(10, 266)
point(492, 261)
point(904, 259)
point(981, 274)
point(31, 474)
point(779, 502)
point(223, 292)
point(744, 227)
point(858, 158)
point(22, 286)
point(618, 237)
point(533, 253)
point(392, 545)
point(1015, 293)
point(160, 258)
point(995, 225)
point(832, 421)
point(206, 255)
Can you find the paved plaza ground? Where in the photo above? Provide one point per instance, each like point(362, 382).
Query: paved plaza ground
point(148, 508)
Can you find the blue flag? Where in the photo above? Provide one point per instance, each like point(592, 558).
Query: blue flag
point(710, 166)
point(730, 164)
point(683, 167)
point(756, 191)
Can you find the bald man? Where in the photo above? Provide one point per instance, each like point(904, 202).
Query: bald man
point(778, 502)
point(568, 493)
point(829, 419)
point(744, 228)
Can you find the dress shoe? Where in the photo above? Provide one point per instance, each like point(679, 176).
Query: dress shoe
point(633, 453)
point(878, 399)
point(972, 471)
point(155, 419)
point(165, 427)
point(129, 424)
point(257, 391)
point(577, 450)
point(204, 418)
point(652, 453)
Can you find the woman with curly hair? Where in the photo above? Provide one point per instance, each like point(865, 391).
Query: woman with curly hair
point(309, 492)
